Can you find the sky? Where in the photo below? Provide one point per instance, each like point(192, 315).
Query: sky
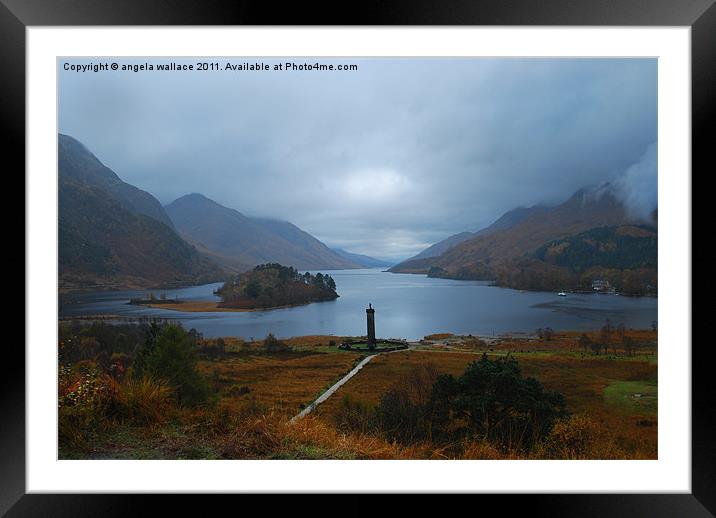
point(384, 160)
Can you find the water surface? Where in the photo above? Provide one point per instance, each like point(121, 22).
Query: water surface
point(406, 306)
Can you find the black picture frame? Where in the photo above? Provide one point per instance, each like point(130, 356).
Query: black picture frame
point(700, 15)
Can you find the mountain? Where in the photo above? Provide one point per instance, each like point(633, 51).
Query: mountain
point(240, 242)
point(584, 210)
point(362, 260)
point(114, 235)
point(422, 261)
point(442, 246)
point(79, 164)
point(623, 247)
point(523, 252)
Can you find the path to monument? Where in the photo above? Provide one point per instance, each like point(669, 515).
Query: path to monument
point(328, 393)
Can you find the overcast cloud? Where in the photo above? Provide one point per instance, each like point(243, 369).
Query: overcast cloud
point(385, 160)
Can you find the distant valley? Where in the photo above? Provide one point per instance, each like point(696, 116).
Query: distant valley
point(363, 260)
point(113, 235)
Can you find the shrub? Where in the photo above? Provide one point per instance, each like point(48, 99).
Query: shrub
point(273, 344)
point(144, 400)
point(169, 353)
point(85, 396)
point(238, 390)
point(578, 437)
point(84, 386)
point(354, 416)
point(492, 401)
point(404, 411)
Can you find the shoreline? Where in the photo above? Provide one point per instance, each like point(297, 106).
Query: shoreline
point(208, 306)
point(494, 284)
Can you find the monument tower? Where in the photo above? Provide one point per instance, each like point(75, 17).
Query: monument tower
point(370, 317)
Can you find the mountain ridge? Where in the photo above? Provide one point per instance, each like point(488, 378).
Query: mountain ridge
point(78, 162)
point(507, 255)
point(507, 220)
point(241, 241)
point(107, 237)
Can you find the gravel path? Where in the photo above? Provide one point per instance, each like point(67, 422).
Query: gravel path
point(328, 393)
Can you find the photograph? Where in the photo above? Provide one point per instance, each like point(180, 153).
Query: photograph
point(357, 258)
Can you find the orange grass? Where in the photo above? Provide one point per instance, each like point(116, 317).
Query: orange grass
point(258, 392)
point(208, 306)
point(312, 340)
point(310, 438)
point(567, 342)
point(282, 382)
point(438, 336)
point(580, 380)
point(308, 342)
point(194, 307)
point(379, 374)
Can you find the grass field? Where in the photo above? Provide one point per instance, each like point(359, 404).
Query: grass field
point(284, 383)
point(633, 397)
point(617, 391)
point(256, 392)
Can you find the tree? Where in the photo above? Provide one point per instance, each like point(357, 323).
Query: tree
point(253, 289)
point(628, 344)
point(273, 344)
point(585, 342)
point(404, 410)
point(169, 353)
point(331, 283)
point(605, 335)
point(492, 401)
point(621, 333)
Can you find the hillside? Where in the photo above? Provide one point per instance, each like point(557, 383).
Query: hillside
point(441, 246)
point(106, 238)
point(625, 247)
point(76, 162)
point(506, 221)
point(362, 260)
point(581, 212)
point(273, 285)
point(240, 242)
point(510, 255)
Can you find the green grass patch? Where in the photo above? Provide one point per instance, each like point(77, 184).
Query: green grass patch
point(635, 397)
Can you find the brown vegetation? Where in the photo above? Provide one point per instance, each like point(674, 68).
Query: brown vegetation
point(582, 379)
point(247, 391)
point(281, 382)
point(203, 306)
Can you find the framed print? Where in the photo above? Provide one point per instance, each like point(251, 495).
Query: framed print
point(272, 253)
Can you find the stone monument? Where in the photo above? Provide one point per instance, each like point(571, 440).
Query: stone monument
point(370, 316)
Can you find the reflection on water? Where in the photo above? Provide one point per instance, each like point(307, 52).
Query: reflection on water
point(407, 306)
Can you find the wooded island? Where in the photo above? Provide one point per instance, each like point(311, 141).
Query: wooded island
point(272, 285)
